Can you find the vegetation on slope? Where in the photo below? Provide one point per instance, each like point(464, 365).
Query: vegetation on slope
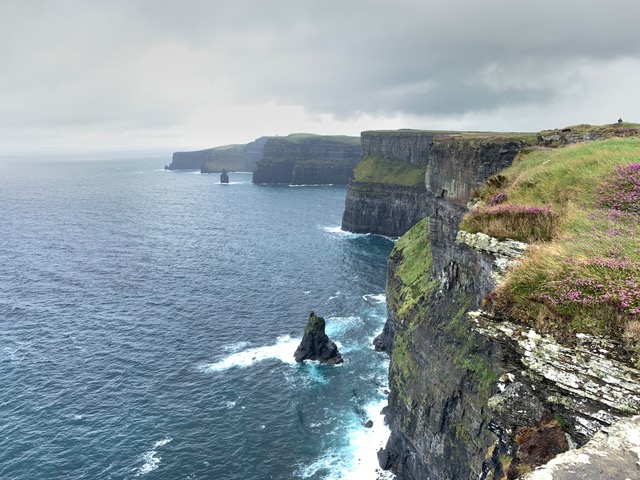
point(579, 207)
point(383, 170)
point(228, 157)
point(412, 255)
point(301, 137)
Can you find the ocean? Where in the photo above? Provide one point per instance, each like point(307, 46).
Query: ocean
point(148, 321)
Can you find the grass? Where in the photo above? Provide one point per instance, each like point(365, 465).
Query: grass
point(582, 273)
point(518, 222)
point(382, 170)
point(410, 297)
point(414, 269)
point(301, 137)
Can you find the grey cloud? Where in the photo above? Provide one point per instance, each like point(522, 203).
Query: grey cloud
point(153, 63)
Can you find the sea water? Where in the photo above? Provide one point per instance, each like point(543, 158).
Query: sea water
point(148, 321)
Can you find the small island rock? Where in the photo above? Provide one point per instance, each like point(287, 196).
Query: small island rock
point(224, 177)
point(316, 345)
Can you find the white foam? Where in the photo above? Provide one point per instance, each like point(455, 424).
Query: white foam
point(365, 443)
point(375, 298)
point(316, 373)
point(151, 458)
point(359, 460)
point(313, 185)
point(343, 233)
point(282, 350)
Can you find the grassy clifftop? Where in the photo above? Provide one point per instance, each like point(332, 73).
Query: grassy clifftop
point(383, 170)
point(301, 137)
point(579, 207)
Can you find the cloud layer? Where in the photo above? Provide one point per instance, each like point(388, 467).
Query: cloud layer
point(148, 72)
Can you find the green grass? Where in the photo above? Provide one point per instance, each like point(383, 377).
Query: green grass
point(301, 137)
point(237, 146)
point(414, 269)
point(582, 275)
point(382, 170)
point(410, 131)
point(565, 178)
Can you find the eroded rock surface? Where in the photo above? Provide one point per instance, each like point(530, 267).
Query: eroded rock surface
point(612, 454)
point(316, 345)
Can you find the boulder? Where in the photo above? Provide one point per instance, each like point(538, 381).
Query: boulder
point(316, 345)
point(224, 178)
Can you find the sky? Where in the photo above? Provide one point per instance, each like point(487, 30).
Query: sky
point(189, 74)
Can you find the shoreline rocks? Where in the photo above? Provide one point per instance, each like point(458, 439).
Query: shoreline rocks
point(316, 345)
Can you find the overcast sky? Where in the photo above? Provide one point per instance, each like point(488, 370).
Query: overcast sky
point(189, 74)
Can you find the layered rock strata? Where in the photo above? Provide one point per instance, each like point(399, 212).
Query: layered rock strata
point(302, 159)
point(377, 202)
point(472, 396)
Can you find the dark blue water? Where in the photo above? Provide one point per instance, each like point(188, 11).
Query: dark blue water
point(148, 321)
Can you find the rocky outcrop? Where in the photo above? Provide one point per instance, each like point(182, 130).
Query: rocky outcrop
point(612, 454)
point(316, 345)
point(303, 159)
point(224, 177)
point(583, 133)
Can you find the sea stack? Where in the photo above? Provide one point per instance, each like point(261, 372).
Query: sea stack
point(224, 178)
point(315, 344)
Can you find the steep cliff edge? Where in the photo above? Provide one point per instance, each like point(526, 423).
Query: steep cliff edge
point(486, 396)
point(387, 194)
point(232, 158)
point(305, 159)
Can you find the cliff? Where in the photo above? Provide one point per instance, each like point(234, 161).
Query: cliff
point(494, 394)
point(190, 160)
point(232, 158)
point(387, 194)
point(402, 173)
point(305, 159)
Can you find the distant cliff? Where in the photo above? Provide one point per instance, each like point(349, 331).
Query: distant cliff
point(304, 159)
point(190, 160)
point(387, 194)
point(232, 158)
point(235, 158)
point(482, 395)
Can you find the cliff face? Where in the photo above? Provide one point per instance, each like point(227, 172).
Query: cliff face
point(301, 159)
point(472, 396)
point(376, 201)
point(214, 160)
point(384, 209)
point(441, 374)
point(190, 160)
point(410, 146)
